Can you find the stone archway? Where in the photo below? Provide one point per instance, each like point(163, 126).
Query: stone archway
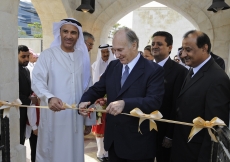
point(216, 25)
point(128, 8)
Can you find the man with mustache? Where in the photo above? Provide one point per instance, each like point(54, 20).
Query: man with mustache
point(162, 43)
point(205, 93)
point(104, 56)
point(24, 88)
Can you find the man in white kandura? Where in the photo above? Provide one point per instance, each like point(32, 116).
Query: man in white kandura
point(104, 56)
point(62, 74)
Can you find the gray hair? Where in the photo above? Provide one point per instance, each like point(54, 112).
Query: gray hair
point(130, 35)
point(87, 35)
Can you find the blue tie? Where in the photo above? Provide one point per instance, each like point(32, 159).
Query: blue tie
point(125, 75)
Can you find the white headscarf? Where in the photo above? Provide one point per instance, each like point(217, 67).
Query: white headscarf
point(98, 68)
point(80, 46)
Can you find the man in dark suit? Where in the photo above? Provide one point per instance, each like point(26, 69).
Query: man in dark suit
point(143, 88)
point(24, 91)
point(205, 94)
point(173, 79)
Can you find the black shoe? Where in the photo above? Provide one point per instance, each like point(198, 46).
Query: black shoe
point(101, 159)
point(106, 159)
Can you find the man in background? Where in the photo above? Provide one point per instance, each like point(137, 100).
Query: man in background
point(174, 75)
point(32, 61)
point(104, 56)
point(89, 40)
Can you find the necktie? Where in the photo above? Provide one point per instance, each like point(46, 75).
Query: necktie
point(189, 76)
point(125, 75)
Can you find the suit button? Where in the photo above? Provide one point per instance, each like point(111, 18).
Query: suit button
point(115, 125)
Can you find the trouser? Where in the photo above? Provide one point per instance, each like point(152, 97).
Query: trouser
point(163, 154)
point(23, 119)
point(100, 148)
point(33, 145)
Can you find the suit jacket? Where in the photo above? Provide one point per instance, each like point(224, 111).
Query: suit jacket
point(24, 93)
point(144, 88)
point(173, 80)
point(207, 95)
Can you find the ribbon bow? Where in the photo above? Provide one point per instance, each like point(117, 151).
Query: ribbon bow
point(66, 106)
point(200, 123)
point(6, 105)
point(154, 115)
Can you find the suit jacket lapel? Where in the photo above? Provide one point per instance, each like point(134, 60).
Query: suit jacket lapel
point(137, 71)
point(167, 67)
point(196, 77)
point(117, 76)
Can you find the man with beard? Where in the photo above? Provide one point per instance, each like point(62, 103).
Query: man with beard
point(104, 56)
point(24, 88)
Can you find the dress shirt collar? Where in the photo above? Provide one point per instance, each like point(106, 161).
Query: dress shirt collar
point(196, 69)
point(162, 63)
point(131, 64)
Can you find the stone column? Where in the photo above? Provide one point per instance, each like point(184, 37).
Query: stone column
point(9, 71)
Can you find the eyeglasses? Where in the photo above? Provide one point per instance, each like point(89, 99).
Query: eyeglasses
point(89, 44)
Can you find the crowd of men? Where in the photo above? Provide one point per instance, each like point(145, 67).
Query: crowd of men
point(194, 85)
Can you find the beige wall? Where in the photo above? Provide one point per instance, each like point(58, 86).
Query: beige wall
point(153, 19)
point(34, 43)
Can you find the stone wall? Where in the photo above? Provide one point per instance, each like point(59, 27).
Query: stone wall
point(153, 19)
point(33, 43)
point(9, 71)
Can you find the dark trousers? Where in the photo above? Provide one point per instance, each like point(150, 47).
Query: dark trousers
point(114, 158)
point(23, 119)
point(33, 145)
point(163, 154)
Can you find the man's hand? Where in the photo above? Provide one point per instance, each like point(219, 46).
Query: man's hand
point(116, 107)
point(55, 104)
point(87, 130)
point(34, 99)
point(35, 132)
point(83, 105)
point(167, 143)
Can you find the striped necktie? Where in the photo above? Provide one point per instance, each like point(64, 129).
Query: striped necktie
point(125, 75)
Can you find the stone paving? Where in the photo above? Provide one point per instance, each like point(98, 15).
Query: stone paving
point(90, 149)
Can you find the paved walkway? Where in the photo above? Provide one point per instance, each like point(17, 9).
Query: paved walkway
point(90, 149)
